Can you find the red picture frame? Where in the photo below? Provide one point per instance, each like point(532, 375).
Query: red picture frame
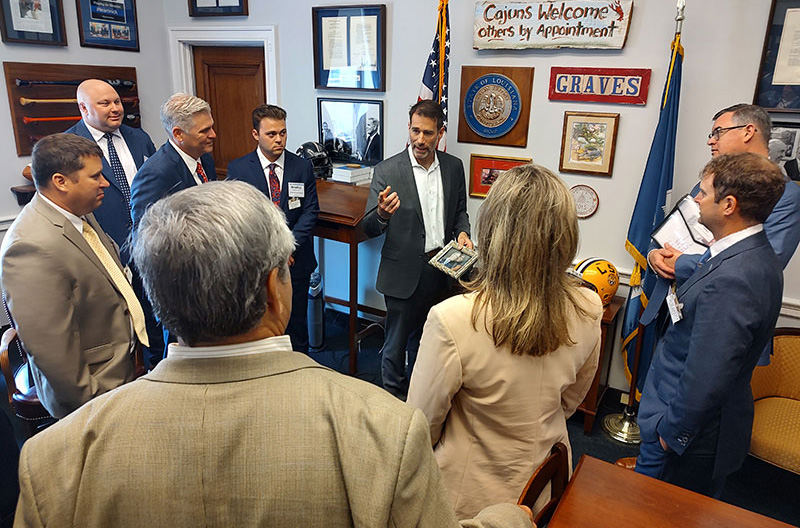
point(600, 85)
point(483, 170)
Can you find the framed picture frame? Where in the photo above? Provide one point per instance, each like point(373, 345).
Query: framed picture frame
point(784, 147)
point(350, 47)
point(588, 142)
point(351, 130)
point(109, 24)
point(778, 85)
point(484, 170)
point(33, 22)
point(214, 8)
point(453, 261)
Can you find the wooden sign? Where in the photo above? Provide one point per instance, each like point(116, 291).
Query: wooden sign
point(551, 24)
point(495, 105)
point(601, 85)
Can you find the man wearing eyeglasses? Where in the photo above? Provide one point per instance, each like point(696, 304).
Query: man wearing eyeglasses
point(738, 128)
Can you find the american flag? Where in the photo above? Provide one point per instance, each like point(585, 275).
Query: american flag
point(435, 77)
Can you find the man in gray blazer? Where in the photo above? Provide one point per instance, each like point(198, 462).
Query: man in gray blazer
point(72, 306)
point(418, 200)
point(242, 430)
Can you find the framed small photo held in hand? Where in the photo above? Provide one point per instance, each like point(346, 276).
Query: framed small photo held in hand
point(453, 261)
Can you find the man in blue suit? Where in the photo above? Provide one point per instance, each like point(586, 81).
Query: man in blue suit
point(288, 180)
point(183, 161)
point(738, 128)
point(125, 149)
point(696, 412)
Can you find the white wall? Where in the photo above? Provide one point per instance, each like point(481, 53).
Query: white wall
point(723, 41)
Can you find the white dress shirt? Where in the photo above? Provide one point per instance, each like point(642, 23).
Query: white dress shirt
point(123, 152)
point(279, 164)
point(725, 242)
point(190, 162)
point(75, 220)
point(431, 200)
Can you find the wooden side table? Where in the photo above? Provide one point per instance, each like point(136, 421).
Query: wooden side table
point(596, 391)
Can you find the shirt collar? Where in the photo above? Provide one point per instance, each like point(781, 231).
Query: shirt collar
point(415, 163)
point(75, 220)
point(265, 162)
point(725, 242)
point(187, 159)
point(270, 344)
point(99, 134)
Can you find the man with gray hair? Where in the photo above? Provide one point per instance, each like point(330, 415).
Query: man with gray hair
point(257, 435)
point(184, 160)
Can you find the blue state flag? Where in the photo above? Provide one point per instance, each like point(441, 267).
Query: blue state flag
point(647, 214)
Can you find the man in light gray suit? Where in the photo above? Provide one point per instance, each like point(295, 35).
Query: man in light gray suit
point(73, 318)
point(418, 199)
point(240, 429)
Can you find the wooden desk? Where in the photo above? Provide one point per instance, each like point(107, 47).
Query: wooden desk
point(593, 398)
point(602, 495)
point(341, 211)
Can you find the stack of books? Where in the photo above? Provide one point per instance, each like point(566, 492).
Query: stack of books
point(352, 173)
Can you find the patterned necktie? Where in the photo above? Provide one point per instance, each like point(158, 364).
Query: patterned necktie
point(119, 172)
point(274, 185)
point(201, 173)
point(122, 284)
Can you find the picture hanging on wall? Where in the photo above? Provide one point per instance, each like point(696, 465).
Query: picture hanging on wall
point(33, 22)
point(778, 86)
point(350, 47)
point(484, 170)
point(351, 130)
point(214, 8)
point(108, 24)
point(588, 143)
point(784, 147)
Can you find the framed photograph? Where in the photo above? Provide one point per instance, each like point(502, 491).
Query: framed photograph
point(351, 130)
point(484, 170)
point(588, 143)
point(108, 24)
point(778, 86)
point(350, 47)
point(33, 22)
point(453, 261)
point(784, 147)
point(211, 8)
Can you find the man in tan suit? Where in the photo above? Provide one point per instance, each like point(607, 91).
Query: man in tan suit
point(70, 308)
point(244, 432)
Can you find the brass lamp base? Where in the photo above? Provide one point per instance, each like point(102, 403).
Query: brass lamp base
point(623, 427)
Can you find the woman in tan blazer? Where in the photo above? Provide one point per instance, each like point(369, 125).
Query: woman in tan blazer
point(501, 368)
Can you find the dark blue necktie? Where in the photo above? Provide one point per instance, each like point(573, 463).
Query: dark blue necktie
point(119, 172)
point(704, 258)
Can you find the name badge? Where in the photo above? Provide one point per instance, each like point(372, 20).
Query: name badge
point(674, 306)
point(294, 203)
point(297, 190)
point(128, 273)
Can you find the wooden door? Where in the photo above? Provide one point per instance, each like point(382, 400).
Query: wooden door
point(231, 79)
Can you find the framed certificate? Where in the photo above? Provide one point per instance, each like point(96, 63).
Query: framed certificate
point(108, 24)
point(33, 22)
point(778, 86)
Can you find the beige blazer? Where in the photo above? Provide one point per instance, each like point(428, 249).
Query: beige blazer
point(269, 439)
point(72, 320)
point(493, 415)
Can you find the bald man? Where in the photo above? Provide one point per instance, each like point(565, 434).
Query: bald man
point(125, 149)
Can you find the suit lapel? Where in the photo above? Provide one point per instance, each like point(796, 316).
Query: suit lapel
point(447, 191)
point(136, 148)
point(410, 184)
point(180, 166)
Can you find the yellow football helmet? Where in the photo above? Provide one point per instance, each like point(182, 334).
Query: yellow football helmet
point(599, 275)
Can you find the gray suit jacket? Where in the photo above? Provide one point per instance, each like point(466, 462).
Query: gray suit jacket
point(72, 320)
point(403, 253)
point(270, 439)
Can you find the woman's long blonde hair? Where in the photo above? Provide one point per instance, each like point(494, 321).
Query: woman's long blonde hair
point(527, 238)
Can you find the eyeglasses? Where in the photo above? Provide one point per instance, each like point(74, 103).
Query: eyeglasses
point(717, 132)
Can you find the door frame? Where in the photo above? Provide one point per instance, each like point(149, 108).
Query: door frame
point(182, 39)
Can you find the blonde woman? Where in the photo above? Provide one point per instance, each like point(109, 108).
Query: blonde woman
point(502, 367)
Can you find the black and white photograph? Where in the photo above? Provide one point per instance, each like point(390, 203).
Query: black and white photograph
point(351, 130)
point(783, 148)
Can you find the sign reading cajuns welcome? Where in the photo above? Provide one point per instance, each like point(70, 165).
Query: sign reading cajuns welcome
point(551, 24)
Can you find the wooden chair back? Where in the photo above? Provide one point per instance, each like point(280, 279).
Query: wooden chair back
point(555, 471)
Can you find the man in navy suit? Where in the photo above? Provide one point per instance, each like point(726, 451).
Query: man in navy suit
point(125, 149)
point(418, 199)
point(288, 180)
point(696, 412)
point(183, 161)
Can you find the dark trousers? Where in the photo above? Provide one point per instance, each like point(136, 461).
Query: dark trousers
point(297, 328)
point(405, 319)
point(693, 470)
